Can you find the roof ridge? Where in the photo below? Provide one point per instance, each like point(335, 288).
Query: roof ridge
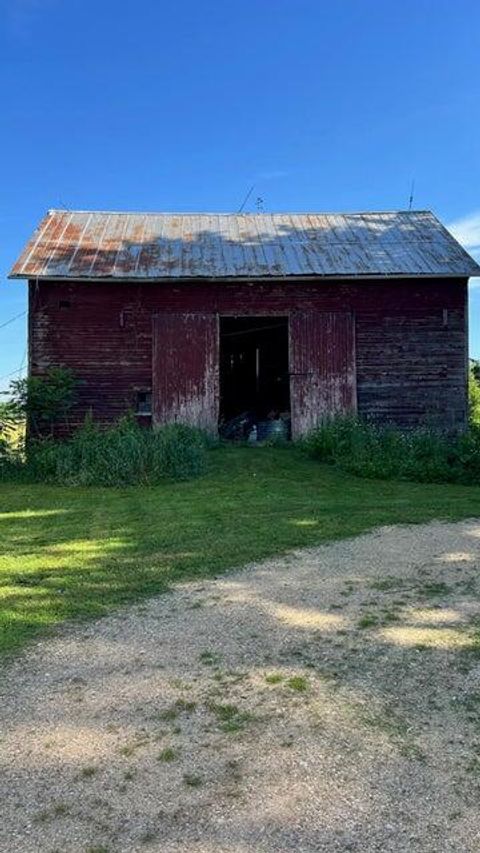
point(57, 210)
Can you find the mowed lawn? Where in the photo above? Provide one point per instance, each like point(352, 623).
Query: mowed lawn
point(71, 553)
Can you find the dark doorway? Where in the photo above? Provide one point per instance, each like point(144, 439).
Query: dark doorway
point(254, 373)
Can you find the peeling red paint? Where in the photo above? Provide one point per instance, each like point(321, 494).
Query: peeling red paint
point(322, 367)
point(185, 370)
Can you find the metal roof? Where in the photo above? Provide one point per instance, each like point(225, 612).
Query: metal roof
point(152, 246)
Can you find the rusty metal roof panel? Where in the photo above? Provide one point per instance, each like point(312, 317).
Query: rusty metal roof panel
point(93, 245)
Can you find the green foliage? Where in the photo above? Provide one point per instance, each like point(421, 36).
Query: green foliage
point(5, 426)
point(11, 431)
point(8, 416)
point(44, 400)
point(474, 396)
point(121, 455)
point(424, 455)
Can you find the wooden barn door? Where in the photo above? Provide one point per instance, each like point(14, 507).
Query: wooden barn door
point(322, 367)
point(185, 370)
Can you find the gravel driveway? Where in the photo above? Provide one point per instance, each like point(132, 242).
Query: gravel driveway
point(327, 700)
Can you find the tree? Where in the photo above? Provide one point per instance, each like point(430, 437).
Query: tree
point(474, 396)
point(475, 368)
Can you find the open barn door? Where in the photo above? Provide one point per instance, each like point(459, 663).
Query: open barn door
point(185, 370)
point(322, 367)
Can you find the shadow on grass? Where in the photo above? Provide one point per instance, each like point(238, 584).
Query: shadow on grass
point(73, 553)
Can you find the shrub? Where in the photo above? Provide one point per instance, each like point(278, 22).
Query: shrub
point(44, 400)
point(424, 455)
point(124, 454)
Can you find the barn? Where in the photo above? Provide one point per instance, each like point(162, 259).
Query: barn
point(201, 318)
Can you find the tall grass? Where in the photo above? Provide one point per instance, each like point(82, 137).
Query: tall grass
point(124, 454)
point(422, 455)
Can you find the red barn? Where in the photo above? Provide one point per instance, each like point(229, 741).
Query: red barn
point(201, 317)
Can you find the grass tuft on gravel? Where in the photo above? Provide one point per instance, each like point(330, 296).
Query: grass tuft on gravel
point(193, 780)
point(76, 553)
point(168, 754)
point(298, 683)
point(274, 678)
point(230, 718)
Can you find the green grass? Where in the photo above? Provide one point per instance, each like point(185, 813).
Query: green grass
point(88, 772)
point(432, 590)
point(369, 620)
point(298, 683)
point(168, 754)
point(77, 552)
point(274, 678)
point(230, 718)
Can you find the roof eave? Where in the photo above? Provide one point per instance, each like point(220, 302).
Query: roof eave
point(265, 278)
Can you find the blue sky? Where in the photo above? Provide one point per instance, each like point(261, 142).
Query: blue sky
point(183, 106)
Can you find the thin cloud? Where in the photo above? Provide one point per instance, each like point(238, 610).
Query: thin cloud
point(467, 231)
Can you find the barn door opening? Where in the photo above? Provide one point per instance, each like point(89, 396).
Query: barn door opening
point(254, 377)
point(185, 370)
point(322, 367)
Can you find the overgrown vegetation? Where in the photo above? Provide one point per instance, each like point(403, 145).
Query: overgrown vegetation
point(68, 553)
point(44, 401)
point(474, 394)
point(423, 455)
point(121, 455)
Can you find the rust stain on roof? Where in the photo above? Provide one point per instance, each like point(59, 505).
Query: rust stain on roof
point(154, 246)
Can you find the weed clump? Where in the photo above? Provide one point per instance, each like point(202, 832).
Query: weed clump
point(273, 678)
point(386, 453)
point(168, 754)
point(230, 718)
point(298, 683)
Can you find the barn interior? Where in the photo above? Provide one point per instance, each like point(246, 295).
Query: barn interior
point(254, 377)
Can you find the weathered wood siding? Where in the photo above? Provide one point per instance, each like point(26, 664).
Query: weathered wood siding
point(322, 367)
point(410, 337)
point(185, 372)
